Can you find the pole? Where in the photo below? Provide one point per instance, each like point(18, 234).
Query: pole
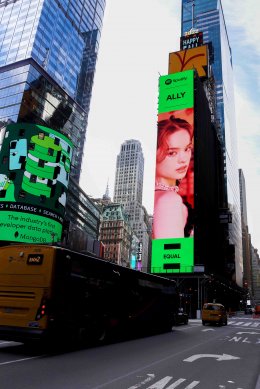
point(192, 14)
point(198, 293)
point(198, 309)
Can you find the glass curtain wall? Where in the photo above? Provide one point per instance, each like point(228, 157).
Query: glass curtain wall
point(208, 17)
point(62, 39)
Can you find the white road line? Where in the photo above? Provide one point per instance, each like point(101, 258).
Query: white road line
point(248, 328)
point(186, 327)
point(20, 360)
point(192, 385)
point(258, 383)
point(247, 332)
point(176, 383)
point(160, 384)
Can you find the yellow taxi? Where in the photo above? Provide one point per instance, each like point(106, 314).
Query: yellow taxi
point(214, 313)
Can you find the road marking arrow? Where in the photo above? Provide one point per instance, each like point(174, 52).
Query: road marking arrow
point(208, 329)
point(251, 333)
point(223, 357)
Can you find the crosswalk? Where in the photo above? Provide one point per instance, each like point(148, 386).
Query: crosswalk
point(164, 382)
point(249, 324)
point(169, 382)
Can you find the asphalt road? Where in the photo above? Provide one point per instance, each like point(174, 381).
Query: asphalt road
point(191, 356)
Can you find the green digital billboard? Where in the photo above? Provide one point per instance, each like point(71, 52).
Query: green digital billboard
point(176, 91)
point(173, 241)
point(34, 175)
point(173, 255)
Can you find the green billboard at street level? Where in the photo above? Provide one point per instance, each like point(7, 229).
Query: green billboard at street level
point(173, 240)
point(34, 175)
point(172, 255)
point(176, 91)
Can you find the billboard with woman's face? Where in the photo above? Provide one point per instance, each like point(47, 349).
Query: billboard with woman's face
point(34, 175)
point(173, 243)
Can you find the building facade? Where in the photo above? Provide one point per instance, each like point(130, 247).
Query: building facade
point(207, 16)
point(115, 234)
point(255, 275)
point(48, 51)
point(82, 221)
point(246, 244)
point(128, 191)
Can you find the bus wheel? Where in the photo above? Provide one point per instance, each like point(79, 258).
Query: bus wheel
point(100, 332)
point(77, 337)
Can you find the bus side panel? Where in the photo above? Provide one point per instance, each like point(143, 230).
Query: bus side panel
point(94, 296)
point(151, 304)
point(85, 296)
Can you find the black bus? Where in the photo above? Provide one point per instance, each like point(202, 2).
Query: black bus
point(49, 292)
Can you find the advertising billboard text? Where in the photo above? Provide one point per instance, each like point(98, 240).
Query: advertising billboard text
point(34, 175)
point(189, 41)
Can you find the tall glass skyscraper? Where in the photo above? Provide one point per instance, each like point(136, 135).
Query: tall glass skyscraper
point(129, 176)
point(207, 16)
point(128, 191)
point(48, 51)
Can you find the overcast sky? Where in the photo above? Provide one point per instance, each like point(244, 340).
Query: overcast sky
point(136, 40)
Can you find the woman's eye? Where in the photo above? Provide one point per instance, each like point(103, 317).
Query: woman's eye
point(172, 153)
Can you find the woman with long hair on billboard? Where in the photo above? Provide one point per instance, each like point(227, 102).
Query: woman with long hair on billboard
point(172, 216)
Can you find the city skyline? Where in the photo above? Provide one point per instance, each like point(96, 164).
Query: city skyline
point(133, 53)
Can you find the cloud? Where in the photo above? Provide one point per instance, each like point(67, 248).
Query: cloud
point(242, 21)
point(136, 40)
point(244, 16)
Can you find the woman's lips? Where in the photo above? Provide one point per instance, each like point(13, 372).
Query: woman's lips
point(182, 169)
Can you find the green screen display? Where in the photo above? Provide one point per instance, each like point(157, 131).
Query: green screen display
point(34, 175)
point(172, 255)
point(173, 229)
point(176, 91)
